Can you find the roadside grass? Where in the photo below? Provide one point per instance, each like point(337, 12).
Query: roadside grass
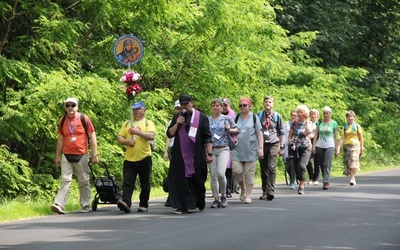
point(18, 209)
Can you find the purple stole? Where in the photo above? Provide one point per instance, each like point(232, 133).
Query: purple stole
point(187, 143)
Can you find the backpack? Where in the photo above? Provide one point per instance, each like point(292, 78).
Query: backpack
point(276, 116)
point(153, 142)
point(83, 121)
point(254, 119)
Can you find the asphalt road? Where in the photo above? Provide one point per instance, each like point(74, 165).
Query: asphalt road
point(366, 216)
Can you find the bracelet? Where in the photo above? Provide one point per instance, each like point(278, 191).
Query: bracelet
point(94, 155)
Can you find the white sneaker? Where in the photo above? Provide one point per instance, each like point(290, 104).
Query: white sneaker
point(310, 182)
point(247, 200)
point(84, 210)
point(57, 209)
point(316, 183)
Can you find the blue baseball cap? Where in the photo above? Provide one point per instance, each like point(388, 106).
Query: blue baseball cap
point(137, 105)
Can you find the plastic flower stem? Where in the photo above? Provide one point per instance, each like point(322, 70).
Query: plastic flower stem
point(131, 112)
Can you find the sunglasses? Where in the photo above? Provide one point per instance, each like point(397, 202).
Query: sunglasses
point(70, 105)
point(242, 105)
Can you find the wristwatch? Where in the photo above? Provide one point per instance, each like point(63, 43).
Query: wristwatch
point(282, 147)
point(94, 155)
point(210, 154)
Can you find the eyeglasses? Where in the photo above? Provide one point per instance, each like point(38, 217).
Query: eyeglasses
point(242, 105)
point(73, 105)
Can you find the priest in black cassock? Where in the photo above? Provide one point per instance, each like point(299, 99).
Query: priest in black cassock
point(190, 154)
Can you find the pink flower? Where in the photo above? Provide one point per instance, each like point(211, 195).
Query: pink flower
point(133, 89)
point(130, 77)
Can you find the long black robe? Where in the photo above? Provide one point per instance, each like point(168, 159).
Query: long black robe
point(188, 193)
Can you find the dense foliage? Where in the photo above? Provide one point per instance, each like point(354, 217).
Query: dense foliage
point(316, 54)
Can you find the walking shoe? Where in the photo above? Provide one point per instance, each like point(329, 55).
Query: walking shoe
point(247, 200)
point(142, 209)
point(216, 204)
point(242, 196)
point(57, 209)
point(264, 196)
point(325, 186)
point(292, 186)
point(352, 183)
point(85, 209)
point(316, 183)
point(181, 211)
point(123, 206)
point(301, 190)
point(270, 195)
point(202, 205)
point(224, 202)
point(310, 182)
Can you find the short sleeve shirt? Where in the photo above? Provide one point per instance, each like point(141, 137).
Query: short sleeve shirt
point(325, 134)
point(247, 148)
point(142, 147)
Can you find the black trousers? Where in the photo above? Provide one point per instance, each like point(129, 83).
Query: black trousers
point(131, 171)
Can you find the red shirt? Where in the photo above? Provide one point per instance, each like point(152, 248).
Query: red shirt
point(75, 139)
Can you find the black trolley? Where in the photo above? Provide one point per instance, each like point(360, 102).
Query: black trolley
point(107, 191)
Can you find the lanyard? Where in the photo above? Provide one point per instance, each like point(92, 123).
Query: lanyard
point(267, 120)
point(72, 128)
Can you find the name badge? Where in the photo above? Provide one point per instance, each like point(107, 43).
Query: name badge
point(192, 132)
point(72, 139)
point(217, 136)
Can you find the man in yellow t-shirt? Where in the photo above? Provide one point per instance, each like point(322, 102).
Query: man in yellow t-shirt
point(135, 136)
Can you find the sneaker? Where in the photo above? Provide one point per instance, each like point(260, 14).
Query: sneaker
point(325, 186)
point(264, 196)
point(316, 183)
point(292, 186)
point(270, 196)
point(123, 206)
point(85, 209)
point(142, 209)
point(216, 204)
point(301, 190)
point(57, 209)
point(224, 202)
point(247, 200)
point(352, 183)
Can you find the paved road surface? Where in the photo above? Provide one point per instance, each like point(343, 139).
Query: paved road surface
point(366, 216)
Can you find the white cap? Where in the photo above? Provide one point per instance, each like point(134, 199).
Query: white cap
point(327, 108)
point(177, 104)
point(73, 100)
